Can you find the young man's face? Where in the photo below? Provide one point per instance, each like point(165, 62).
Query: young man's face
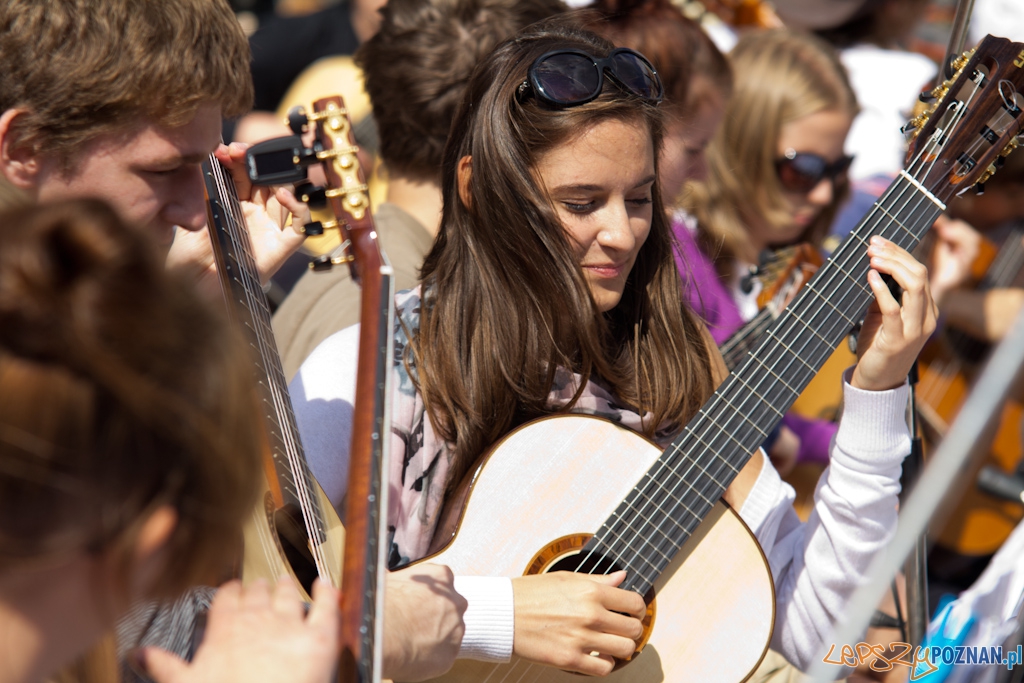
point(150, 174)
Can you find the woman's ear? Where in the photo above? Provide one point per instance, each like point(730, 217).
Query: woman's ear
point(149, 556)
point(464, 173)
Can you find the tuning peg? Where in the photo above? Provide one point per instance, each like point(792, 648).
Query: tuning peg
point(979, 188)
point(311, 194)
point(313, 229)
point(297, 120)
point(321, 263)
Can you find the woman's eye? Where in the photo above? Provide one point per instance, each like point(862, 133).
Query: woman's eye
point(641, 201)
point(578, 208)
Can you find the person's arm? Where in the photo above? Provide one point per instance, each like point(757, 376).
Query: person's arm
point(987, 315)
point(817, 565)
point(259, 634)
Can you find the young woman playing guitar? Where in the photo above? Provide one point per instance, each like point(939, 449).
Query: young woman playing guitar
point(551, 289)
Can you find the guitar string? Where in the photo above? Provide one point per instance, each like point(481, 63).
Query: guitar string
point(309, 507)
point(795, 308)
point(698, 492)
point(257, 304)
point(912, 239)
point(702, 493)
point(721, 397)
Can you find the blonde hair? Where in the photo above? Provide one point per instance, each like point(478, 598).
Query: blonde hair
point(780, 76)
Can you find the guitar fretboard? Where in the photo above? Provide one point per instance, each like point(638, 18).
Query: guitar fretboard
point(674, 496)
point(247, 304)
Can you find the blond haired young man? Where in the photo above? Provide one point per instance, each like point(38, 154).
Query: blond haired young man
point(122, 100)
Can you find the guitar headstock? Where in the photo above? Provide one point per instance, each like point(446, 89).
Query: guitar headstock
point(284, 160)
point(975, 123)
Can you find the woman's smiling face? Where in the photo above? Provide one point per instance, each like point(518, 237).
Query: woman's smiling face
point(601, 182)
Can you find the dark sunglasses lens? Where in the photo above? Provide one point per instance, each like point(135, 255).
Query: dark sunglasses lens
point(636, 75)
point(802, 172)
point(567, 78)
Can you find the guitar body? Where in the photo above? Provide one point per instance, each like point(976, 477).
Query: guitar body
point(545, 488)
point(276, 543)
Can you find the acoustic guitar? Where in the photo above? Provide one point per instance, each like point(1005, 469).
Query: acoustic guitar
point(295, 530)
point(588, 495)
point(788, 269)
point(979, 523)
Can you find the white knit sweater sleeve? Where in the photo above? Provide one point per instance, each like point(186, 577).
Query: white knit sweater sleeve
point(817, 565)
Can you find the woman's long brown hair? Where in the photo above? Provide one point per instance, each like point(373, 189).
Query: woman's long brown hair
point(505, 300)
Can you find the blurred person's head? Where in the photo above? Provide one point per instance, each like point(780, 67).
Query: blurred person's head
point(128, 456)
point(697, 78)
point(776, 167)
point(842, 23)
point(417, 67)
point(119, 100)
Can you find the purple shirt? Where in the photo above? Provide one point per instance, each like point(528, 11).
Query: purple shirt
point(703, 288)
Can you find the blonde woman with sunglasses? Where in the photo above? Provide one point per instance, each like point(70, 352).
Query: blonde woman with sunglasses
point(551, 288)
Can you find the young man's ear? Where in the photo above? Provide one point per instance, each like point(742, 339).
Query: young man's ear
point(465, 174)
point(20, 165)
point(150, 552)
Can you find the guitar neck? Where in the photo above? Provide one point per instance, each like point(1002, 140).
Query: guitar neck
point(288, 474)
point(677, 493)
point(736, 347)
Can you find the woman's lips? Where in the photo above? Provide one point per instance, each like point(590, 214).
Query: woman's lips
point(606, 270)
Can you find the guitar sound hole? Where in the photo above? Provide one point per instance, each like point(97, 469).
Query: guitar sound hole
point(584, 562)
point(292, 533)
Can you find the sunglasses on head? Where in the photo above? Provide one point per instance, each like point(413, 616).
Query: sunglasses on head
point(567, 78)
point(802, 171)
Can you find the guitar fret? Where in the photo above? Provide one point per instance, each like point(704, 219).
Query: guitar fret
point(787, 356)
point(835, 308)
point(778, 378)
point(895, 220)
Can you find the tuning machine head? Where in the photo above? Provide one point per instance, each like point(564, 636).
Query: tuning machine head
point(313, 195)
point(297, 120)
point(338, 257)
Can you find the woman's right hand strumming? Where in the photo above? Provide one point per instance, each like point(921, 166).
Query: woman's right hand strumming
point(576, 622)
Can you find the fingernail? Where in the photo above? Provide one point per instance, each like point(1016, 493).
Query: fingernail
point(136, 659)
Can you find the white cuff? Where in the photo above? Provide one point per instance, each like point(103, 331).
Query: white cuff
point(874, 426)
point(763, 497)
point(490, 617)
